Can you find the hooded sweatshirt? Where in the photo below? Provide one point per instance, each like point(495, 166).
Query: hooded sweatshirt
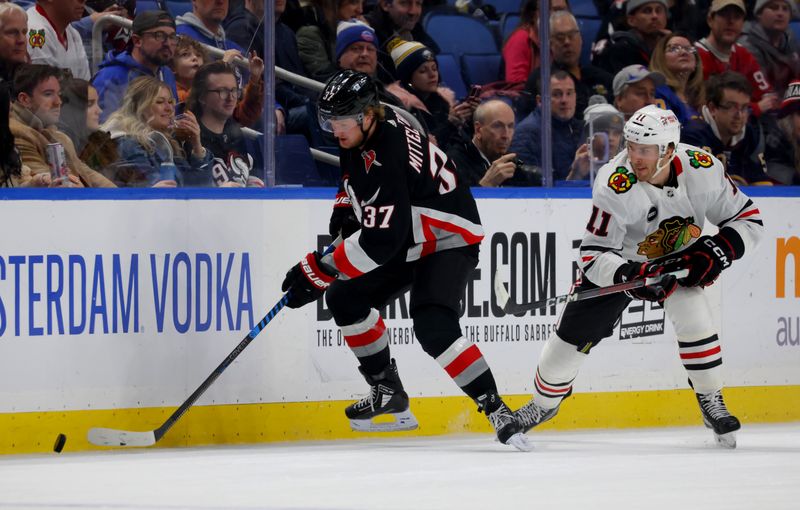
point(116, 71)
point(191, 26)
point(780, 65)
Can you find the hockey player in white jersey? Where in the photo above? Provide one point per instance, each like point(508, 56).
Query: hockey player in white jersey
point(649, 207)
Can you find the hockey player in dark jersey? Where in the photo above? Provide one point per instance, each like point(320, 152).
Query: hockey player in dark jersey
point(418, 227)
point(649, 206)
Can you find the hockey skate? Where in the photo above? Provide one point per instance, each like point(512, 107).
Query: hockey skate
point(717, 418)
point(502, 419)
point(530, 415)
point(386, 398)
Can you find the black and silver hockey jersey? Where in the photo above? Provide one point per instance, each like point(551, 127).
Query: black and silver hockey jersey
point(407, 195)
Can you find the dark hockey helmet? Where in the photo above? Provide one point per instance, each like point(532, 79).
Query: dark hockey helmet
point(346, 95)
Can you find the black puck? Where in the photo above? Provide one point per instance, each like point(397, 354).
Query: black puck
point(61, 440)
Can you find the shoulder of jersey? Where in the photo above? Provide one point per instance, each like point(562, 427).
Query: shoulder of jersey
point(696, 160)
point(615, 177)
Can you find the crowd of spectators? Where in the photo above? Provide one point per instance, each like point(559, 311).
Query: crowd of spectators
point(162, 110)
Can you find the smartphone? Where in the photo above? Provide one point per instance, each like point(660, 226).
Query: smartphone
point(475, 91)
point(180, 108)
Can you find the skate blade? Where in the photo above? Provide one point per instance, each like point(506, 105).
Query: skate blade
point(726, 440)
point(404, 420)
point(520, 442)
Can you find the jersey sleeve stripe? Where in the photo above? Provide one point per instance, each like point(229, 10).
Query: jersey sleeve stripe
point(740, 211)
point(351, 259)
point(602, 249)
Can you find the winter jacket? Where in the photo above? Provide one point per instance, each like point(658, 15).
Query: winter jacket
point(114, 75)
point(667, 99)
point(191, 26)
point(743, 158)
point(521, 54)
point(31, 138)
point(566, 136)
point(624, 49)
point(243, 28)
point(385, 30)
point(780, 65)
point(316, 51)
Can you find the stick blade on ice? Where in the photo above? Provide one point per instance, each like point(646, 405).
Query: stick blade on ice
point(112, 437)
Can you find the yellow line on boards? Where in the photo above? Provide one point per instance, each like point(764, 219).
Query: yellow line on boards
point(294, 421)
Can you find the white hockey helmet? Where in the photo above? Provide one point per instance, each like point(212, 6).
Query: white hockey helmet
point(652, 125)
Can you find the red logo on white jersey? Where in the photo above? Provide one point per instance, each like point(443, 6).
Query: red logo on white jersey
point(369, 160)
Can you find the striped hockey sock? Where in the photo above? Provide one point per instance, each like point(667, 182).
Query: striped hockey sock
point(369, 342)
point(464, 362)
point(558, 367)
point(702, 360)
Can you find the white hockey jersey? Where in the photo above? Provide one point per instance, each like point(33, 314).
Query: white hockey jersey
point(637, 221)
point(45, 48)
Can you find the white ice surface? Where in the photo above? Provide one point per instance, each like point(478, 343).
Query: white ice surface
point(674, 469)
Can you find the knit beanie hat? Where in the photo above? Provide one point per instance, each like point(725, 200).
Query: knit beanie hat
point(760, 4)
point(353, 31)
point(408, 56)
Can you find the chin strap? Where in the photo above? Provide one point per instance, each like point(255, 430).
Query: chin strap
point(661, 167)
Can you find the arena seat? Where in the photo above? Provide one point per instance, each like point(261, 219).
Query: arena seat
point(178, 7)
point(457, 34)
point(480, 69)
point(450, 75)
point(589, 28)
point(583, 9)
point(508, 23)
point(505, 6)
point(294, 164)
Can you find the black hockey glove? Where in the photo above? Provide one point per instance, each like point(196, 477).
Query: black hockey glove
point(658, 292)
point(307, 281)
point(708, 256)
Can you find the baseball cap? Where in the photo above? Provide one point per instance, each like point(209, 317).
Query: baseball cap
point(632, 5)
point(633, 74)
point(146, 20)
point(718, 5)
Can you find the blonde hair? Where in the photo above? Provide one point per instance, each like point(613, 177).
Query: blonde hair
point(132, 117)
point(695, 86)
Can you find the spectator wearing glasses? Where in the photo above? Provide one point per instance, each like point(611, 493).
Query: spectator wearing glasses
point(153, 47)
point(728, 132)
point(53, 40)
point(675, 57)
point(13, 39)
point(720, 52)
point(155, 147)
point(565, 45)
point(213, 100)
point(773, 43)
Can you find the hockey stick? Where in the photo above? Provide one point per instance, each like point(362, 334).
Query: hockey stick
point(113, 437)
point(503, 299)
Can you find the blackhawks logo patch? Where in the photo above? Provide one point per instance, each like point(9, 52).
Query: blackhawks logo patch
point(621, 180)
point(36, 38)
point(699, 159)
point(672, 235)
